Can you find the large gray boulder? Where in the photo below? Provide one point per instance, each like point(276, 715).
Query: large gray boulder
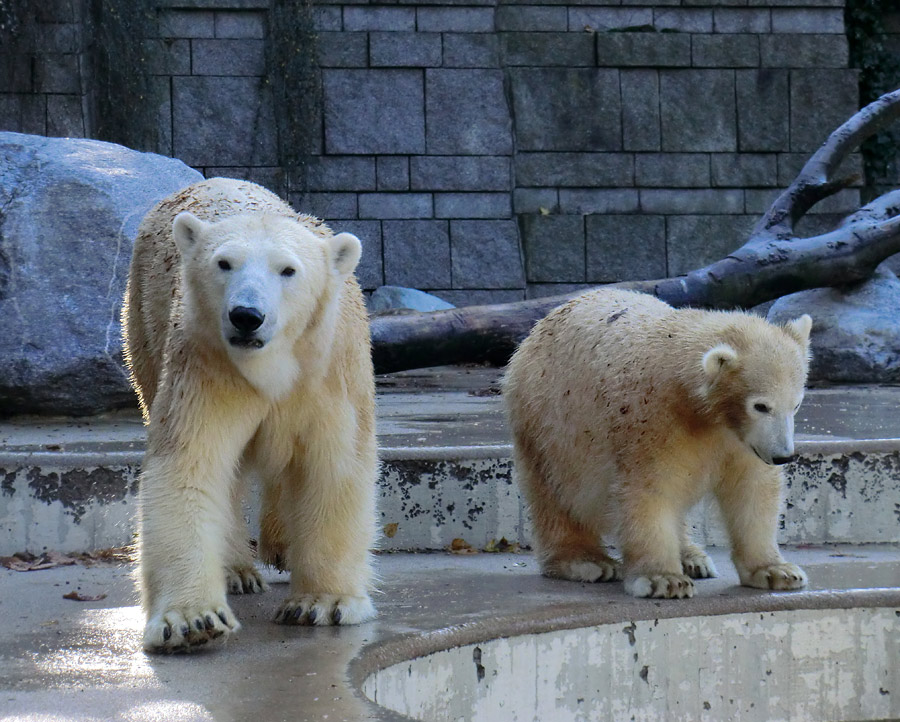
point(69, 212)
point(394, 298)
point(856, 330)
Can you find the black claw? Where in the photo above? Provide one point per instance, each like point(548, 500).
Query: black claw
point(210, 624)
point(313, 615)
point(198, 623)
point(167, 633)
point(185, 630)
point(222, 617)
point(298, 612)
point(337, 616)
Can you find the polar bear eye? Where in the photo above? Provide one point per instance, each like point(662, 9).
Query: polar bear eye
point(762, 408)
point(224, 265)
point(288, 272)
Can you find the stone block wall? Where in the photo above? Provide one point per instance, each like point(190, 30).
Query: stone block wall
point(489, 150)
point(607, 141)
point(41, 86)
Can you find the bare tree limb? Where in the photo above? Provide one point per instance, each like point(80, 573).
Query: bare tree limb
point(771, 264)
point(815, 181)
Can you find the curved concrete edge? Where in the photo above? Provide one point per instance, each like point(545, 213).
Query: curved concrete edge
point(71, 460)
point(8, 460)
point(381, 655)
point(428, 497)
point(830, 447)
point(804, 447)
point(835, 664)
point(449, 453)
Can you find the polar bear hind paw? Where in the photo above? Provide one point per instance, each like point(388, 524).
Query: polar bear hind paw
point(660, 586)
point(185, 630)
point(585, 570)
point(244, 580)
point(781, 577)
point(698, 565)
point(325, 609)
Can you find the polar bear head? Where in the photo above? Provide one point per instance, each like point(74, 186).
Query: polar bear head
point(254, 282)
point(755, 380)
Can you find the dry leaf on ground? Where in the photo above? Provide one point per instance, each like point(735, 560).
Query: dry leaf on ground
point(79, 597)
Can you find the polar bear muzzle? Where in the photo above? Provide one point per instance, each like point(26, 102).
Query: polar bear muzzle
point(245, 320)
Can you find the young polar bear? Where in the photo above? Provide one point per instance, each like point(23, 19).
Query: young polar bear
point(248, 343)
point(625, 412)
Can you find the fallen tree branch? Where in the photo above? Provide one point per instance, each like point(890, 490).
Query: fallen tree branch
point(771, 264)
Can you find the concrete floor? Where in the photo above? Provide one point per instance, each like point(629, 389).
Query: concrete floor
point(80, 661)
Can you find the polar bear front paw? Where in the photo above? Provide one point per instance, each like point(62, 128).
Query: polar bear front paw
point(660, 586)
point(244, 580)
point(784, 576)
point(698, 565)
point(325, 609)
point(583, 570)
point(183, 630)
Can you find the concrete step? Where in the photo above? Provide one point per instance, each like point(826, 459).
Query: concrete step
point(70, 485)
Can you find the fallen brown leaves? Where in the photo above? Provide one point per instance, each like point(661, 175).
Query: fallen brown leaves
point(79, 597)
point(27, 562)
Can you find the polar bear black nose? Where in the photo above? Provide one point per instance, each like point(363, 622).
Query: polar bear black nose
point(246, 319)
point(779, 460)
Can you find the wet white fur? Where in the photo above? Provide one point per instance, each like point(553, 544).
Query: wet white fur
point(298, 412)
point(625, 412)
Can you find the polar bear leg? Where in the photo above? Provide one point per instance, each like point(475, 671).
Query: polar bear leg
point(241, 576)
point(272, 537)
point(186, 510)
point(566, 548)
point(329, 514)
point(651, 543)
point(694, 561)
point(750, 506)
point(182, 551)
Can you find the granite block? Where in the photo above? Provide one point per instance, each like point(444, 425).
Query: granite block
point(576, 109)
point(374, 111)
point(467, 112)
point(554, 247)
point(486, 254)
point(625, 248)
point(417, 254)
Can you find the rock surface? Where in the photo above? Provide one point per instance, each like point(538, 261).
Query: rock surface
point(389, 298)
point(69, 212)
point(856, 330)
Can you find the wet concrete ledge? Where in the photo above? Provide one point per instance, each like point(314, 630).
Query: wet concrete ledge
point(70, 485)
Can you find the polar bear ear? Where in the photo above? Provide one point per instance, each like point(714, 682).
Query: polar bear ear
point(799, 329)
point(717, 358)
point(186, 229)
point(345, 252)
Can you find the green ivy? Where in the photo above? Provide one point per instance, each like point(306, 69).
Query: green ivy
point(293, 76)
point(17, 39)
point(123, 108)
point(10, 20)
point(879, 73)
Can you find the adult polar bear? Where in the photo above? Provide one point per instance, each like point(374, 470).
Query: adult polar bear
point(625, 411)
point(248, 343)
